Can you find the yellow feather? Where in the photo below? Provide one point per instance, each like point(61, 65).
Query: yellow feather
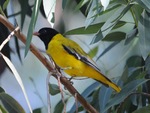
point(73, 66)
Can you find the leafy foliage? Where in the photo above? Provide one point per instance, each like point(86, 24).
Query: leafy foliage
point(10, 104)
point(134, 80)
point(53, 89)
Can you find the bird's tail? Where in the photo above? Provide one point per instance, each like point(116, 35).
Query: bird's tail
point(114, 86)
point(107, 82)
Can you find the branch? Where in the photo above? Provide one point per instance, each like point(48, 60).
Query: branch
point(47, 64)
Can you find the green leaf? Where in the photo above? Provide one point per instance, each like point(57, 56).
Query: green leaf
point(144, 28)
point(17, 48)
point(53, 89)
point(2, 12)
point(95, 99)
point(115, 36)
point(145, 109)
point(32, 24)
point(86, 93)
point(1, 90)
point(135, 61)
point(131, 35)
point(144, 4)
point(147, 63)
point(112, 6)
point(111, 22)
point(136, 74)
point(80, 4)
point(59, 107)
point(91, 29)
point(11, 104)
point(82, 30)
point(126, 90)
point(119, 24)
point(124, 75)
point(53, 17)
point(106, 92)
point(91, 14)
point(2, 109)
point(38, 110)
point(18, 78)
point(5, 4)
point(24, 4)
point(108, 49)
point(137, 11)
point(93, 52)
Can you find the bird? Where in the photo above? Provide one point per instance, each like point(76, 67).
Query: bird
point(70, 57)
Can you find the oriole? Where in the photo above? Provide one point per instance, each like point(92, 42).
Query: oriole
point(69, 56)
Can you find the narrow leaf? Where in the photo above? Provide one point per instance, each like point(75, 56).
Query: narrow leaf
point(80, 4)
point(10, 104)
point(59, 107)
point(144, 28)
point(32, 24)
point(1, 90)
point(91, 29)
point(93, 52)
point(82, 30)
point(124, 93)
point(38, 110)
point(108, 49)
point(53, 89)
point(145, 109)
point(147, 63)
point(5, 4)
point(17, 48)
point(110, 23)
point(2, 109)
point(115, 36)
point(91, 14)
point(131, 35)
point(85, 94)
point(104, 96)
point(144, 4)
point(17, 76)
point(24, 4)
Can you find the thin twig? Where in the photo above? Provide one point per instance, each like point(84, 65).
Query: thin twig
point(57, 72)
point(61, 92)
point(48, 96)
point(8, 38)
point(76, 103)
point(49, 66)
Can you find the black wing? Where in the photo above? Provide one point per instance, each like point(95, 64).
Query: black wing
point(80, 57)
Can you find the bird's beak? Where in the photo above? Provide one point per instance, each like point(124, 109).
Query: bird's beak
point(36, 34)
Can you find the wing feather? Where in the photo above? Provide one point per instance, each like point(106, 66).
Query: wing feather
point(84, 58)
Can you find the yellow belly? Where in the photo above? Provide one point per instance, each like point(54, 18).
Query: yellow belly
point(63, 59)
point(71, 65)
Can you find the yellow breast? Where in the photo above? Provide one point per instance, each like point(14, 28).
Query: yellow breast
point(62, 58)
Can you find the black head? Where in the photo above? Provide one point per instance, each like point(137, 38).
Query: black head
point(46, 34)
